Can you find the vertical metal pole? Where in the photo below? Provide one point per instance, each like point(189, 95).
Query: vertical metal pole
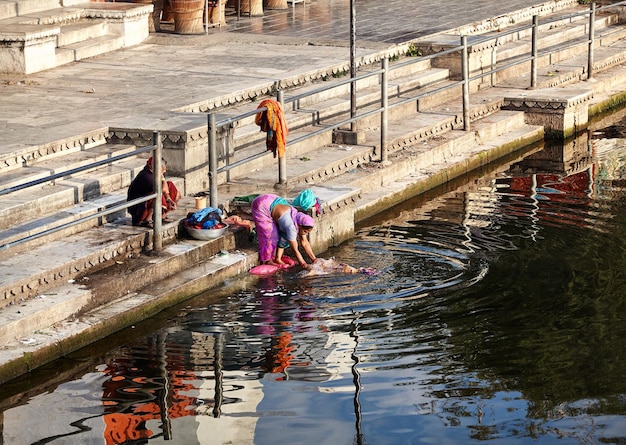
point(384, 115)
point(590, 57)
point(465, 73)
point(212, 136)
point(157, 177)
point(206, 16)
point(494, 63)
point(533, 62)
point(282, 161)
point(352, 63)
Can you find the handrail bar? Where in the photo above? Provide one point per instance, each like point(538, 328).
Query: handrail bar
point(78, 221)
point(505, 32)
point(231, 120)
point(369, 74)
point(155, 149)
point(72, 171)
point(336, 84)
point(327, 128)
point(337, 125)
point(427, 93)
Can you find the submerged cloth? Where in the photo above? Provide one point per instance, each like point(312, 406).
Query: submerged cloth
point(269, 232)
point(272, 121)
point(143, 185)
point(322, 266)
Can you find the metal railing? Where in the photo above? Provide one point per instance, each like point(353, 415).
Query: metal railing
point(382, 109)
point(156, 150)
point(213, 125)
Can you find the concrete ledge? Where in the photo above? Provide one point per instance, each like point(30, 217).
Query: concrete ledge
point(27, 48)
point(561, 111)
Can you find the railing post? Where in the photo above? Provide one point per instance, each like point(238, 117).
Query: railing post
point(206, 16)
point(157, 177)
point(590, 56)
point(465, 74)
point(282, 161)
point(353, 126)
point(384, 115)
point(534, 52)
point(212, 136)
point(494, 63)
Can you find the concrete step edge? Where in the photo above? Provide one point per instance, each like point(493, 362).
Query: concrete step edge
point(42, 167)
point(12, 241)
point(81, 31)
point(95, 46)
point(64, 193)
point(82, 139)
point(412, 178)
point(28, 6)
point(47, 266)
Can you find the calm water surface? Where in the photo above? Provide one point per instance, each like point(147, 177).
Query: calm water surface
point(497, 315)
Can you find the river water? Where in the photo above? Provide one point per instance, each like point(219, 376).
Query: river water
point(496, 315)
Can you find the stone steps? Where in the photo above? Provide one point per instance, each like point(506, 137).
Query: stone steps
point(187, 267)
point(18, 205)
point(423, 78)
point(10, 9)
point(510, 45)
point(50, 35)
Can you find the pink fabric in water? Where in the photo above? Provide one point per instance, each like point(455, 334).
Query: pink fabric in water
point(264, 269)
point(289, 262)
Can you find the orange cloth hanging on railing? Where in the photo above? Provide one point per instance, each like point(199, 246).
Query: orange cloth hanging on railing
point(272, 121)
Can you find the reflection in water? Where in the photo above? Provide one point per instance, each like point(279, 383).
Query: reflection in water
point(497, 314)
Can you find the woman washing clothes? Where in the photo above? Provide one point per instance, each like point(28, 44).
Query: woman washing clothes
point(143, 185)
point(278, 226)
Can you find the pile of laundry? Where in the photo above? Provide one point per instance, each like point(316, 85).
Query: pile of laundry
point(207, 218)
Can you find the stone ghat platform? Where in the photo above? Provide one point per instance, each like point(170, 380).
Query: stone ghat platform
point(108, 279)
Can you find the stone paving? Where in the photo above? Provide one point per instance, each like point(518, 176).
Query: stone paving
point(168, 70)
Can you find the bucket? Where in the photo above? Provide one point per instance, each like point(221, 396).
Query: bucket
point(201, 202)
point(188, 16)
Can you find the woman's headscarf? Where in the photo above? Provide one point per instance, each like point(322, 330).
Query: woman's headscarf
point(305, 200)
point(304, 220)
point(150, 163)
